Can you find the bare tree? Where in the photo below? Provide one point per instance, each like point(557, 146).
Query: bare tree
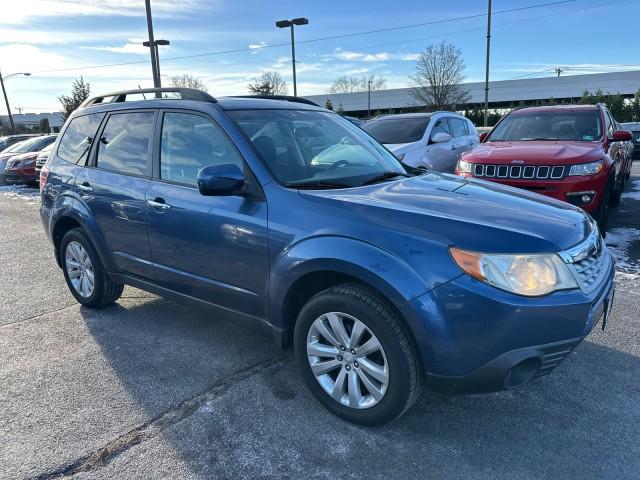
point(438, 79)
point(348, 84)
point(188, 81)
point(269, 83)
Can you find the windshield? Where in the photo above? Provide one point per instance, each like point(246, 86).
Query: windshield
point(552, 125)
point(388, 130)
point(313, 148)
point(26, 146)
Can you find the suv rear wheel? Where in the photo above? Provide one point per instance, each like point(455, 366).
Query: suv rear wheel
point(602, 215)
point(86, 277)
point(355, 356)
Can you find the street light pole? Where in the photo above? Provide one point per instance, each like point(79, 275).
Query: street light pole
point(291, 23)
point(486, 78)
point(6, 100)
point(154, 47)
point(154, 61)
point(369, 99)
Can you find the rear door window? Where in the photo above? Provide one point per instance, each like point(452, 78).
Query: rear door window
point(125, 143)
point(76, 141)
point(458, 127)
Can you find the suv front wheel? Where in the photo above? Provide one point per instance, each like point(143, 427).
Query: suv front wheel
point(86, 277)
point(355, 356)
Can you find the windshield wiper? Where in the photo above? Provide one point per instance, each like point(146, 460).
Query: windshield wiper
point(317, 184)
point(384, 176)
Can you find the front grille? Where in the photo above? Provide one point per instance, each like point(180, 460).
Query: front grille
point(590, 261)
point(529, 172)
point(553, 356)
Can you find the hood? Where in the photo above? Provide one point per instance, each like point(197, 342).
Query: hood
point(470, 214)
point(402, 147)
point(20, 157)
point(536, 153)
point(7, 155)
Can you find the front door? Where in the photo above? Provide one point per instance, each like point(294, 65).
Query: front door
point(114, 184)
point(214, 248)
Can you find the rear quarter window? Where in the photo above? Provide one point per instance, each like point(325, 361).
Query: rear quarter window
point(76, 141)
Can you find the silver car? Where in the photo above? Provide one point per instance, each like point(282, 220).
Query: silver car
point(430, 140)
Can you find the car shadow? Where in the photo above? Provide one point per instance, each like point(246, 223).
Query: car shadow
point(582, 420)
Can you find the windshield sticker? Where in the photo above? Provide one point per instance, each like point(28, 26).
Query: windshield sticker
point(588, 138)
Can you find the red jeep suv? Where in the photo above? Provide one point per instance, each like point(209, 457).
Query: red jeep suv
point(573, 153)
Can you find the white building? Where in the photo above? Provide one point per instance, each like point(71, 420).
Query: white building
point(32, 120)
point(502, 93)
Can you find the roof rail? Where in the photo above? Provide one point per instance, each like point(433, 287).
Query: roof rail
point(286, 98)
point(121, 96)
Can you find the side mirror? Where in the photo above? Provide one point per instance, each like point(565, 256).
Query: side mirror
point(621, 136)
point(440, 137)
point(483, 135)
point(224, 179)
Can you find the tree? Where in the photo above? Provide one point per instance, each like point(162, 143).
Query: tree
point(349, 84)
point(44, 125)
point(269, 83)
point(328, 104)
point(79, 93)
point(188, 81)
point(438, 80)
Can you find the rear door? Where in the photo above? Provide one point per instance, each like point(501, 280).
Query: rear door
point(214, 248)
point(113, 186)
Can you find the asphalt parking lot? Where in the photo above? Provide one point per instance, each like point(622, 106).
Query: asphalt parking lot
point(150, 389)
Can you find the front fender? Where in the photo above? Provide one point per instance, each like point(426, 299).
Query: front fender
point(71, 206)
point(390, 275)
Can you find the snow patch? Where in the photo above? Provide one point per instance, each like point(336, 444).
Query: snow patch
point(619, 241)
point(20, 191)
point(635, 191)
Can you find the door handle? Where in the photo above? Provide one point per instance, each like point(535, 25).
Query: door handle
point(85, 187)
point(158, 203)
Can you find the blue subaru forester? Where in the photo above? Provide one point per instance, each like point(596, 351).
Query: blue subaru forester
point(380, 275)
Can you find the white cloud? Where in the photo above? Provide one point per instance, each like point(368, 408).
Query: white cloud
point(20, 12)
point(349, 56)
point(257, 46)
point(132, 46)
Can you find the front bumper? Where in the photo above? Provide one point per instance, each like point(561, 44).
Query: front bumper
point(476, 338)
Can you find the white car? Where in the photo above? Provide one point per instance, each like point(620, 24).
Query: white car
point(431, 140)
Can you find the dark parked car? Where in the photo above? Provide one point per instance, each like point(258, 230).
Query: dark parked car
point(377, 273)
point(575, 153)
point(42, 158)
point(6, 142)
point(634, 128)
point(31, 147)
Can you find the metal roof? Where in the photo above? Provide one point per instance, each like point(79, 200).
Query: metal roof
point(502, 91)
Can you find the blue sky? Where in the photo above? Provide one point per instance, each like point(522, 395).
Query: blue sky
point(39, 36)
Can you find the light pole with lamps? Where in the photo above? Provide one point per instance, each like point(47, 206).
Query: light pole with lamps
point(156, 56)
point(6, 100)
point(291, 23)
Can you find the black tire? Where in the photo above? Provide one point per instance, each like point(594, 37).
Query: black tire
point(403, 366)
point(602, 216)
point(616, 192)
point(105, 290)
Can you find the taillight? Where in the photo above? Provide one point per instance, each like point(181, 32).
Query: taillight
point(44, 174)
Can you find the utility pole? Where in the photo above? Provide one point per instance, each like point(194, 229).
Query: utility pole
point(152, 48)
point(486, 78)
point(369, 99)
point(291, 23)
point(558, 71)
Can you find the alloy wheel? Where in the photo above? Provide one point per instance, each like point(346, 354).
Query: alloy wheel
point(347, 360)
point(79, 269)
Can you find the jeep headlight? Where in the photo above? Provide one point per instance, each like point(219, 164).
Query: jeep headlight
point(530, 274)
point(464, 167)
point(591, 168)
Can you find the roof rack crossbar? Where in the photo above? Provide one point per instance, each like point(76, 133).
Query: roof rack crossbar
point(286, 98)
point(121, 96)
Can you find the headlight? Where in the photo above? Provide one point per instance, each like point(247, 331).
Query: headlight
point(586, 168)
point(464, 167)
point(529, 275)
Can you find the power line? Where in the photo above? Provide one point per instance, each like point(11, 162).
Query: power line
point(313, 40)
